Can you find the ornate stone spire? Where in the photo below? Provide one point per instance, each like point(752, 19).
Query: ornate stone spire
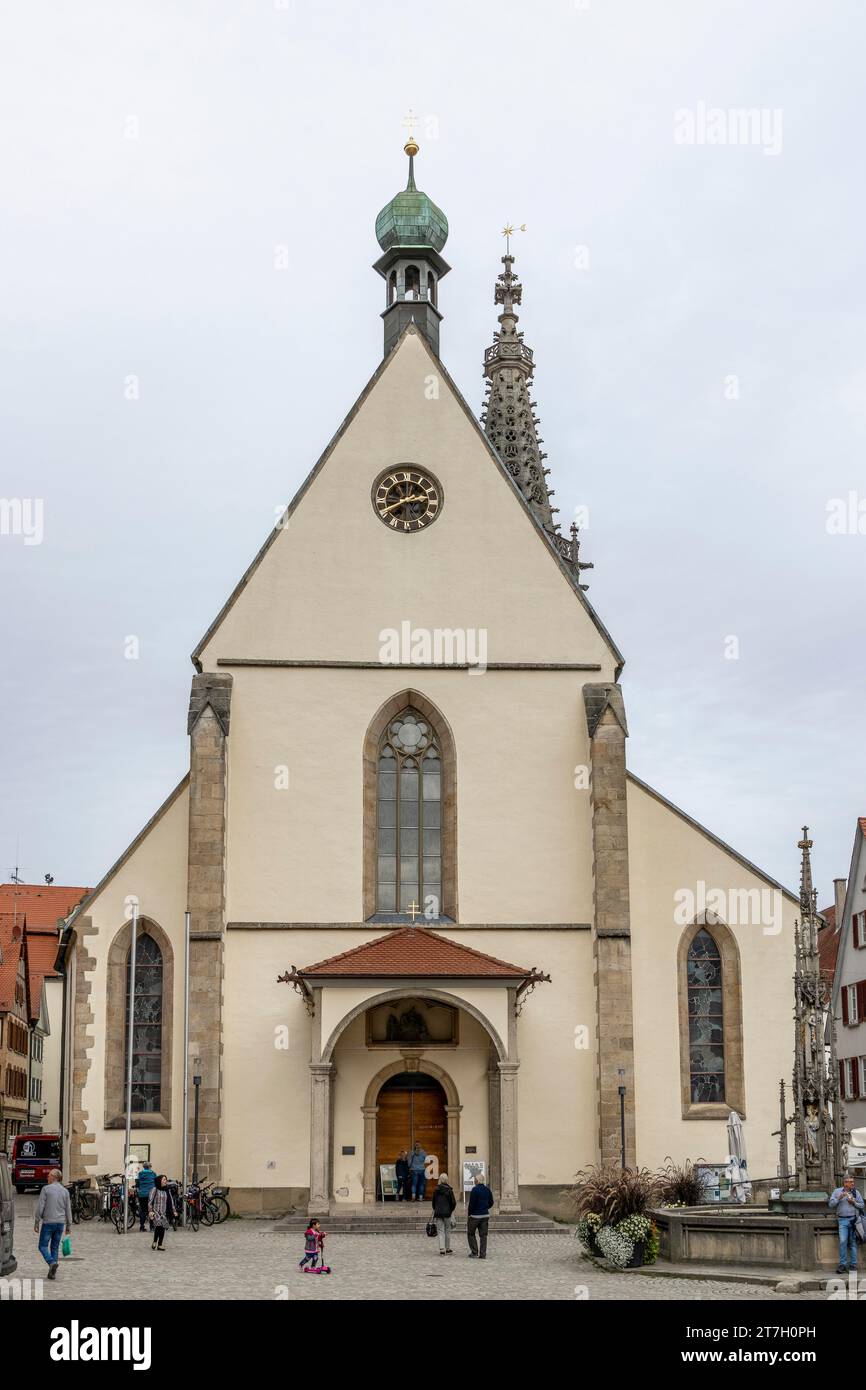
point(817, 1102)
point(508, 414)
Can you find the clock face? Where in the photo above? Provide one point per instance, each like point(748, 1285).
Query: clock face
point(407, 499)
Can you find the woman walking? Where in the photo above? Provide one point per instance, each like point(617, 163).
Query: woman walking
point(160, 1210)
point(444, 1203)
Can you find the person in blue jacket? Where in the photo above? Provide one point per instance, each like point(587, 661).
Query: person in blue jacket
point(848, 1205)
point(478, 1217)
point(417, 1165)
point(144, 1186)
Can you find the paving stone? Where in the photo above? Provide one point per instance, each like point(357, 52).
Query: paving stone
point(247, 1259)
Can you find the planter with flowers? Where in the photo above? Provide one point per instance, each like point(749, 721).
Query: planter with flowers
point(611, 1206)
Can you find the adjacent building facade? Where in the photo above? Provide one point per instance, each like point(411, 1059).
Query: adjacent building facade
point(428, 900)
point(849, 988)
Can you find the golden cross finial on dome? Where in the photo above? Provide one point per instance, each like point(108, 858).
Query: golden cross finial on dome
point(508, 233)
point(410, 120)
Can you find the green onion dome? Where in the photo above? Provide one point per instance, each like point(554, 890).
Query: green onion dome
point(411, 218)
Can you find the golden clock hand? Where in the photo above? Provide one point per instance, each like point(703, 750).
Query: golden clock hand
point(419, 497)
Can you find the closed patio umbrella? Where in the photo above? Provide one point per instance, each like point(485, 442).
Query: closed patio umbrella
point(737, 1158)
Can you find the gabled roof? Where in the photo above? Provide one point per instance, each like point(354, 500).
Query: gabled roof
point(40, 950)
point(413, 951)
point(572, 578)
point(828, 942)
point(92, 893)
point(716, 840)
point(43, 903)
point(11, 940)
point(844, 927)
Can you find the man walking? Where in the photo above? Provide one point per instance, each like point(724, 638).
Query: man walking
point(849, 1206)
point(417, 1173)
point(478, 1217)
point(145, 1184)
point(53, 1215)
point(402, 1172)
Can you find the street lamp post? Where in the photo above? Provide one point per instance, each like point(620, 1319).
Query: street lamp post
point(133, 951)
point(621, 1088)
point(196, 1081)
point(185, 1160)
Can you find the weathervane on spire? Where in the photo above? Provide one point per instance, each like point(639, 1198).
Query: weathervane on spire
point(508, 233)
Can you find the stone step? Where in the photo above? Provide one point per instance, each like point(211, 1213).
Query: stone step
point(355, 1222)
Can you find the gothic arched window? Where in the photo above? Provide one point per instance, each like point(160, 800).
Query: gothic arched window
point(706, 1021)
point(146, 1025)
point(711, 1021)
point(409, 817)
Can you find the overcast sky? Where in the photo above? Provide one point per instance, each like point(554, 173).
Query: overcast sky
point(696, 311)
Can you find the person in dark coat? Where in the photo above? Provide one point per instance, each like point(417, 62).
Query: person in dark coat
point(444, 1203)
point(160, 1209)
point(478, 1217)
point(403, 1187)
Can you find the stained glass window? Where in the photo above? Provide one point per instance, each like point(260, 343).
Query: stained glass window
point(706, 1021)
point(146, 1027)
point(409, 817)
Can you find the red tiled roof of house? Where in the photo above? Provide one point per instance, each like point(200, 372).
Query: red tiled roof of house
point(11, 936)
point(41, 951)
point(42, 903)
point(415, 951)
point(828, 942)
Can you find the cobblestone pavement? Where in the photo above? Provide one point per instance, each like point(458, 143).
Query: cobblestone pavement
point(244, 1259)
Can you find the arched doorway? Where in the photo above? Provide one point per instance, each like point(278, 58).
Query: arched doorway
point(411, 1110)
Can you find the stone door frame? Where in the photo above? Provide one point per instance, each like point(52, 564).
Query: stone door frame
point(502, 1076)
point(412, 1060)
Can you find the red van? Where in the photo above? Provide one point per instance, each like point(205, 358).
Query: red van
point(33, 1157)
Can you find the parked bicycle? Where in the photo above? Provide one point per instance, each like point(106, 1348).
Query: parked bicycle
point(217, 1199)
point(84, 1203)
point(111, 1201)
point(205, 1205)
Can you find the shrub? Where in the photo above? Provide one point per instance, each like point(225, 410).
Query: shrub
point(614, 1193)
point(615, 1246)
point(587, 1231)
point(636, 1228)
point(681, 1184)
point(651, 1249)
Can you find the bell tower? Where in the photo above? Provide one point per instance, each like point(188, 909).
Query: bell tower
point(411, 231)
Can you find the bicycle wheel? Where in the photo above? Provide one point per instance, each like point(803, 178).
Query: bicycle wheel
point(74, 1206)
point(117, 1218)
point(192, 1219)
point(88, 1206)
point(221, 1209)
point(208, 1215)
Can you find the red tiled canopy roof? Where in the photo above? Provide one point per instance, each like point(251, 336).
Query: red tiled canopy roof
point(414, 951)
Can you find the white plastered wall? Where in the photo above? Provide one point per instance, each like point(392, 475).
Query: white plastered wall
point(156, 873)
point(267, 1085)
point(668, 854)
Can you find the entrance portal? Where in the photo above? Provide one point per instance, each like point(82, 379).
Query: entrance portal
point(412, 1111)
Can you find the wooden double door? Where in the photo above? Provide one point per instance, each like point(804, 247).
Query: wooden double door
point(412, 1111)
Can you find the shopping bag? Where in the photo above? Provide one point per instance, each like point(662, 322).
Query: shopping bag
point(66, 1246)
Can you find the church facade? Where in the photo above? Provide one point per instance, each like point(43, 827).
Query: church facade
point(428, 902)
